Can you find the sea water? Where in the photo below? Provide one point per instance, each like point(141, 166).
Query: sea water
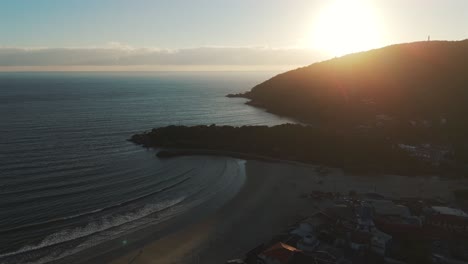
point(70, 180)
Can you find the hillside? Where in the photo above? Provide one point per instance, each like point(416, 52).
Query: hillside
point(414, 81)
point(415, 93)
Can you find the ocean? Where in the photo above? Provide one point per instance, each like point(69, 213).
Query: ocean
point(70, 180)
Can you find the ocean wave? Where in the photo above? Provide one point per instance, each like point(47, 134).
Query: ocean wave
point(50, 182)
point(35, 225)
point(94, 227)
point(47, 182)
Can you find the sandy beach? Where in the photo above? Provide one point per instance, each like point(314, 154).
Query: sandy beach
point(268, 203)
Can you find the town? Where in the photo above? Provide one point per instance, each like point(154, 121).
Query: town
point(370, 228)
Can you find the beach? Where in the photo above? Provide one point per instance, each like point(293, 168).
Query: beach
point(272, 199)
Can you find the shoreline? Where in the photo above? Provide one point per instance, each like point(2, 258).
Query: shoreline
point(140, 235)
point(354, 152)
point(168, 153)
point(216, 239)
point(173, 153)
point(270, 201)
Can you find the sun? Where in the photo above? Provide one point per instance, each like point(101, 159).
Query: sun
point(346, 26)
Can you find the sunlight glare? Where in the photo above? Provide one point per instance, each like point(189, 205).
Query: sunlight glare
point(346, 26)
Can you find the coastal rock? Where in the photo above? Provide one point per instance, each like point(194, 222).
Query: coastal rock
point(239, 95)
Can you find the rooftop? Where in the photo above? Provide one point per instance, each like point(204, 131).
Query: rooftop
point(385, 207)
point(449, 211)
point(280, 252)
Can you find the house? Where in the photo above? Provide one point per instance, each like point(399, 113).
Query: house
point(365, 216)
point(279, 253)
point(343, 215)
point(302, 230)
point(379, 242)
point(449, 212)
point(359, 240)
point(341, 212)
point(308, 243)
point(450, 219)
point(395, 219)
point(389, 208)
point(427, 152)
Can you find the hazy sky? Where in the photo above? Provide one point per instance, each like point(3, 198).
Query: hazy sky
point(214, 32)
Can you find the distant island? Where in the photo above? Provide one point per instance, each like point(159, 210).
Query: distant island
point(398, 109)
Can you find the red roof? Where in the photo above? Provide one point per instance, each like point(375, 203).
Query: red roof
point(281, 252)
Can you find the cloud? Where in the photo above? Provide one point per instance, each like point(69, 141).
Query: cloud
point(118, 54)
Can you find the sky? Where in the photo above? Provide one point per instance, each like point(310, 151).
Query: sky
point(242, 34)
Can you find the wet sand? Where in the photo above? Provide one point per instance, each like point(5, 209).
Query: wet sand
point(268, 203)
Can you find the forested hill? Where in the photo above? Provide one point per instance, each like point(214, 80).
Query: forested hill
point(414, 81)
point(399, 109)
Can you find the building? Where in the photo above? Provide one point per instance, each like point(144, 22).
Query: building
point(447, 219)
point(389, 208)
point(426, 152)
point(307, 241)
point(279, 253)
point(379, 242)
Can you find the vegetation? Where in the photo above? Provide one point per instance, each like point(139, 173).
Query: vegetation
point(420, 89)
point(355, 152)
point(363, 106)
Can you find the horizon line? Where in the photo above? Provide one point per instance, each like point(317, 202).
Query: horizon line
point(150, 68)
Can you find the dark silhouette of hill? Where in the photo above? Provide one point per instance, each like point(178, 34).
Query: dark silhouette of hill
point(354, 152)
point(398, 109)
point(413, 87)
point(422, 80)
